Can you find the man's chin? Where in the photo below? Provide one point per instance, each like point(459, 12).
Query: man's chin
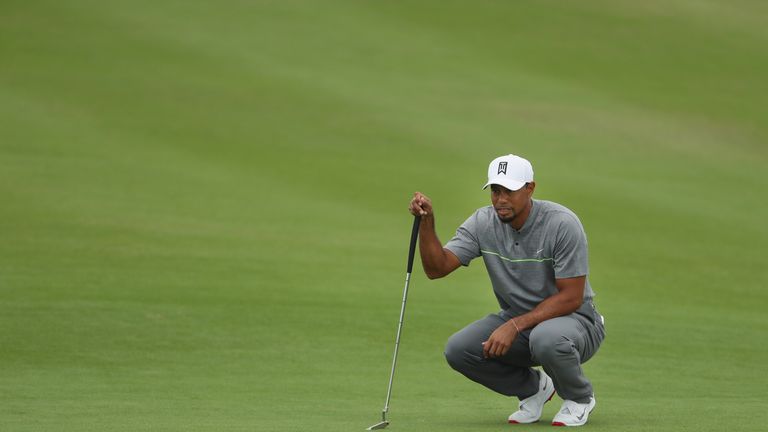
point(505, 219)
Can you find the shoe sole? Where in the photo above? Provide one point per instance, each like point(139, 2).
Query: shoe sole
point(548, 399)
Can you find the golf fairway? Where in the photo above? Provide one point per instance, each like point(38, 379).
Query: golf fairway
point(204, 206)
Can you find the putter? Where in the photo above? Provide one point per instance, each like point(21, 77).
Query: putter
point(411, 250)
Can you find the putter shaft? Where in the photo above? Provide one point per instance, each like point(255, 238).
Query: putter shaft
point(397, 346)
point(411, 252)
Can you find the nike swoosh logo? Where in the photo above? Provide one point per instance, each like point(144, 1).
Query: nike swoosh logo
point(582, 415)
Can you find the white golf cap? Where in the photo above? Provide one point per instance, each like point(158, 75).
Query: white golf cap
point(510, 171)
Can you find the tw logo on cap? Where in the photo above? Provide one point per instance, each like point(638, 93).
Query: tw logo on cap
point(502, 168)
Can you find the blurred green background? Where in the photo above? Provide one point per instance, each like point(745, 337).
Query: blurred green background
point(203, 206)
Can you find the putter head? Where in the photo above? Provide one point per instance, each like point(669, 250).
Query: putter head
point(380, 425)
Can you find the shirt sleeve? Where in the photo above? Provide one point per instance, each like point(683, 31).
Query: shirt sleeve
point(465, 244)
point(570, 252)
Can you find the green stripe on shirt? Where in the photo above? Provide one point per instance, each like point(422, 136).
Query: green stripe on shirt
point(516, 260)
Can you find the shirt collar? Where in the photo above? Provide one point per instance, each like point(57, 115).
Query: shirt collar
point(531, 216)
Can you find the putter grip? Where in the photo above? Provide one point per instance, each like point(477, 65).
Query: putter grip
point(414, 236)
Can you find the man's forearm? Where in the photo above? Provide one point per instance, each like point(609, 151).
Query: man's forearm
point(566, 301)
point(433, 258)
point(560, 304)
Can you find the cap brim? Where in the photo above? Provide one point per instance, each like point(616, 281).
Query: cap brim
point(512, 185)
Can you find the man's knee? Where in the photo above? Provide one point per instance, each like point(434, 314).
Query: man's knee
point(454, 352)
point(547, 344)
point(458, 352)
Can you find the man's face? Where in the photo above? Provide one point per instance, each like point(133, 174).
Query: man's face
point(510, 204)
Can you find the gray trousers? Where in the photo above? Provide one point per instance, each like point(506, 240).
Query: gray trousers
point(560, 345)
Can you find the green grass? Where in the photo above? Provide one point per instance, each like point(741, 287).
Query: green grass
point(204, 206)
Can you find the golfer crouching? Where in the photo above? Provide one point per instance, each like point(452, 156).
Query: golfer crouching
point(535, 253)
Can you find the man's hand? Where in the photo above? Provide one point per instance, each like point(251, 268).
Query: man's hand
point(420, 205)
point(500, 341)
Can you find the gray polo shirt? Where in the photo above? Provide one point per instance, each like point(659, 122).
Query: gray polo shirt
point(524, 264)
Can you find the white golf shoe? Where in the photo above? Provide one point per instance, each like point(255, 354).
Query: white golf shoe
point(573, 413)
point(530, 408)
